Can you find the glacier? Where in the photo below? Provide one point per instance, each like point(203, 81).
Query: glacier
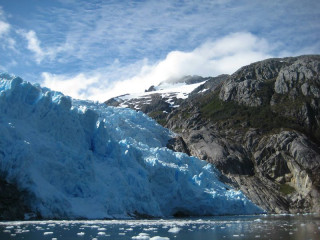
point(79, 159)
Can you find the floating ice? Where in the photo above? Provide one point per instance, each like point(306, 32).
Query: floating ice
point(159, 238)
point(79, 159)
point(174, 230)
point(150, 229)
point(142, 236)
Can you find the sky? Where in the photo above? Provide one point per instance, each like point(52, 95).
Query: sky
point(100, 49)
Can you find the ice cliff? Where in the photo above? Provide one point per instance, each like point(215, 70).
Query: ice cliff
point(79, 159)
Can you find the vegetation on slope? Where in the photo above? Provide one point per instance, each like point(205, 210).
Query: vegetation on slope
point(261, 117)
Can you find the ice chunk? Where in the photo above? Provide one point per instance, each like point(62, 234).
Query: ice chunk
point(159, 238)
point(174, 230)
point(142, 236)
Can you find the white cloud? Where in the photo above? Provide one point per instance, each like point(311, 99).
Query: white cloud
point(224, 55)
point(4, 28)
point(75, 86)
point(7, 42)
point(40, 53)
point(34, 45)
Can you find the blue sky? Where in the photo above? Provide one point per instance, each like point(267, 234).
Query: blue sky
point(100, 49)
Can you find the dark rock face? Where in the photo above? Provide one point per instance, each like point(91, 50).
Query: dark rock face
point(177, 144)
point(288, 159)
point(244, 85)
point(303, 74)
point(12, 205)
point(150, 89)
point(260, 127)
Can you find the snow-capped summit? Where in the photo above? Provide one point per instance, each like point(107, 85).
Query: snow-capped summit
point(158, 101)
point(170, 91)
point(78, 159)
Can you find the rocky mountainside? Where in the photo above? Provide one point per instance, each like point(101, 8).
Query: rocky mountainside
point(260, 127)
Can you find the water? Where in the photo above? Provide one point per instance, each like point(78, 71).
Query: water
point(232, 227)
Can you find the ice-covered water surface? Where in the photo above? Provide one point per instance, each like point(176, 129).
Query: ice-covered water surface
point(295, 227)
point(79, 159)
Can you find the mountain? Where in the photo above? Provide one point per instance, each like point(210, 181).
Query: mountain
point(159, 101)
point(260, 128)
point(62, 158)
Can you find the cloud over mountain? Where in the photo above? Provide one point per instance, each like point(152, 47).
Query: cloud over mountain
point(225, 55)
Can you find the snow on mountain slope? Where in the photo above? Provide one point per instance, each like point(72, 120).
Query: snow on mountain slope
point(168, 94)
point(167, 91)
point(77, 159)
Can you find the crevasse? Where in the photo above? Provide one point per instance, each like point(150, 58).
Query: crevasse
point(79, 159)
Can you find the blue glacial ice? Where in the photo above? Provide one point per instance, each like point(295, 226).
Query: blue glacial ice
point(80, 159)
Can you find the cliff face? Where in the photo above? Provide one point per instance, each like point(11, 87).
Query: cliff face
point(260, 127)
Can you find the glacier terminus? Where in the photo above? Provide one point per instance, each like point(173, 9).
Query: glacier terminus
point(78, 159)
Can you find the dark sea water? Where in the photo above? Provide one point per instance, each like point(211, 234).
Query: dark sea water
point(295, 227)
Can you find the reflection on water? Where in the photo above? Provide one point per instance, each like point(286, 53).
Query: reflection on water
point(295, 227)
